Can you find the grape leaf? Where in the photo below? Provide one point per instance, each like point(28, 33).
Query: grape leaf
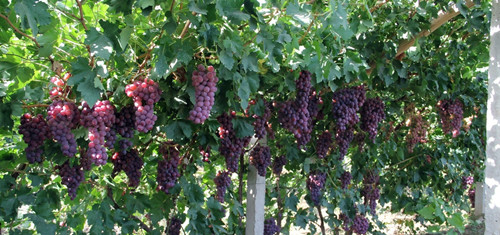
point(100, 45)
point(32, 14)
point(242, 127)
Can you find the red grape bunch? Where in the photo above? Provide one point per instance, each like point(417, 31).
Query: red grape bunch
point(130, 163)
point(204, 82)
point(34, 130)
point(278, 164)
point(315, 183)
point(205, 153)
point(418, 128)
point(59, 89)
point(99, 120)
point(451, 114)
point(260, 157)
point(270, 227)
point(370, 190)
point(372, 112)
point(345, 179)
point(466, 181)
point(222, 181)
point(145, 94)
point(71, 177)
point(167, 171)
point(294, 115)
point(324, 144)
point(62, 116)
point(174, 226)
point(260, 122)
point(346, 103)
point(360, 224)
point(231, 147)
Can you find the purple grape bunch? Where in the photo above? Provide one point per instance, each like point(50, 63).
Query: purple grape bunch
point(466, 181)
point(294, 115)
point(451, 114)
point(167, 170)
point(346, 225)
point(34, 130)
point(270, 227)
point(472, 197)
point(360, 224)
point(278, 164)
point(222, 181)
point(343, 139)
point(324, 144)
point(315, 183)
point(130, 163)
point(145, 94)
point(125, 122)
point(345, 179)
point(62, 116)
point(260, 122)
point(346, 103)
point(174, 226)
point(372, 113)
point(99, 120)
point(204, 83)
point(370, 190)
point(231, 147)
point(260, 157)
point(71, 176)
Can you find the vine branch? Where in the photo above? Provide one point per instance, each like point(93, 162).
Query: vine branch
point(19, 31)
point(322, 225)
point(308, 29)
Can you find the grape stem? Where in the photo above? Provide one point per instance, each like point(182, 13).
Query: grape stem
point(19, 31)
point(82, 21)
point(322, 226)
point(142, 224)
point(308, 29)
point(35, 106)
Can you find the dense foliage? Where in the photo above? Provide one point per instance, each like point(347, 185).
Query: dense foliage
point(350, 120)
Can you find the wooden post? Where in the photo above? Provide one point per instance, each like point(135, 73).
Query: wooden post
point(492, 171)
point(256, 198)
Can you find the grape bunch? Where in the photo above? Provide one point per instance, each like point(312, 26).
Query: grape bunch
point(125, 122)
point(222, 181)
point(324, 144)
point(360, 224)
point(260, 122)
point(34, 130)
point(294, 115)
point(205, 153)
point(418, 128)
point(315, 183)
point(59, 89)
point(204, 83)
point(346, 222)
point(372, 112)
point(343, 139)
point(345, 179)
point(466, 181)
point(451, 114)
point(99, 120)
point(71, 177)
point(231, 147)
point(130, 163)
point(167, 171)
point(313, 106)
point(260, 157)
point(124, 145)
point(359, 139)
point(174, 226)
point(270, 227)
point(346, 103)
point(145, 94)
point(278, 164)
point(370, 191)
point(62, 116)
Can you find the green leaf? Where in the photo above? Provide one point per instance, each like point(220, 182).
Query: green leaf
point(226, 57)
point(427, 212)
point(242, 127)
point(291, 202)
point(250, 63)
point(177, 130)
point(32, 14)
point(244, 93)
point(198, 8)
point(89, 92)
point(457, 221)
point(42, 226)
point(100, 45)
